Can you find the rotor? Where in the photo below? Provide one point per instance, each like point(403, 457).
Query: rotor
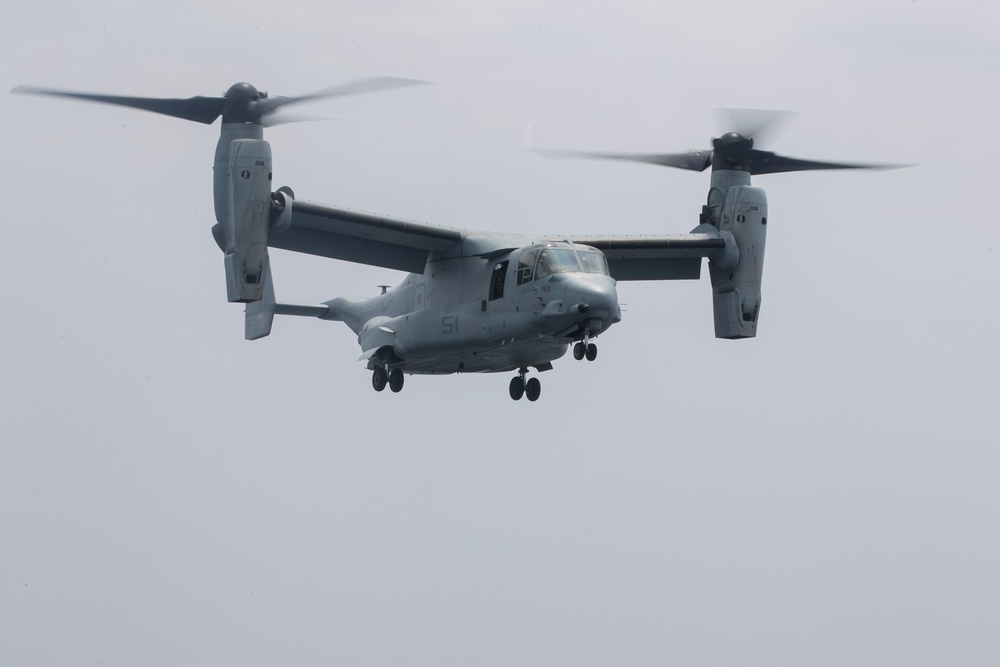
point(242, 103)
point(731, 151)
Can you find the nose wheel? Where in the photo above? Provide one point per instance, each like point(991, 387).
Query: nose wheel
point(519, 386)
point(584, 348)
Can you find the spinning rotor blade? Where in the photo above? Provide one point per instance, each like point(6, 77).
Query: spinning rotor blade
point(369, 85)
point(692, 160)
point(285, 118)
point(199, 109)
point(764, 162)
point(732, 151)
point(242, 103)
point(757, 124)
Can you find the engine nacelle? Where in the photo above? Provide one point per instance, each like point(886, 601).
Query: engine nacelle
point(736, 289)
point(247, 218)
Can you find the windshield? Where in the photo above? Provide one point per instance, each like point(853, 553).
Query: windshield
point(540, 262)
point(594, 262)
point(556, 260)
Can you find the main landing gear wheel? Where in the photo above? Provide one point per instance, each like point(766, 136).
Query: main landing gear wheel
point(396, 380)
point(581, 350)
point(533, 389)
point(517, 387)
point(379, 378)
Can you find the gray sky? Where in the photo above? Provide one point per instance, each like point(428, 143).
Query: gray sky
point(825, 494)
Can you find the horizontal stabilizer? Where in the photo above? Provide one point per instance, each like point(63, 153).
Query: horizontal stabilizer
point(260, 314)
point(301, 311)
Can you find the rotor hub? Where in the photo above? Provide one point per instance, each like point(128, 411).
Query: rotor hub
point(732, 151)
point(243, 92)
point(733, 136)
point(241, 104)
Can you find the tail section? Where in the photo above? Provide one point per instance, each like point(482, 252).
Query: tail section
point(260, 314)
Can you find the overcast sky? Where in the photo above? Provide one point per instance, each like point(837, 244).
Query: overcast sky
point(825, 494)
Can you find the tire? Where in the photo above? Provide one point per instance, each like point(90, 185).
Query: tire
point(578, 351)
point(533, 389)
point(517, 388)
point(591, 352)
point(396, 380)
point(378, 379)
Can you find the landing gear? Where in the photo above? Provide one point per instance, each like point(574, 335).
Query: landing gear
point(533, 389)
point(379, 378)
point(396, 380)
point(519, 387)
point(585, 348)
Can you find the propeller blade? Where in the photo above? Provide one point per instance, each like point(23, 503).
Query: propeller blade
point(764, 162)
point(758, 124)
point(692, 160)
point(198, 109)
point(368, 85)
point(285, 118)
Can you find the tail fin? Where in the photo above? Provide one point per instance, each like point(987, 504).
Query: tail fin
point(260, 314)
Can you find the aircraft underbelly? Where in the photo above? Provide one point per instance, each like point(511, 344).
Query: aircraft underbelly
point(476, 337)
point(498, 358)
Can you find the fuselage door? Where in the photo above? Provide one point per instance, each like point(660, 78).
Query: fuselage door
point(495, 297)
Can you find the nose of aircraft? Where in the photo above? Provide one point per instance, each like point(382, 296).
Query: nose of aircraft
point(595, 294)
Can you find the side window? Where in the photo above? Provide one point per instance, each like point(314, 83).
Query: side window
point(526, 266)
point(498, 279)
point(543, 269)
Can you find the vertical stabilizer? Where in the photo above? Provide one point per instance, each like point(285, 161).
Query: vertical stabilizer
point(260, 314)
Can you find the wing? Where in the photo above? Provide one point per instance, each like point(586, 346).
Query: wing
point(353, 236)
point(365, 238)
point(673, 257)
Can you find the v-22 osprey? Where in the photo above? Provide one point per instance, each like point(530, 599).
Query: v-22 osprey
point(473, 301)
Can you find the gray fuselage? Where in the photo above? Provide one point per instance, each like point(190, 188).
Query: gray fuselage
point(491, 312)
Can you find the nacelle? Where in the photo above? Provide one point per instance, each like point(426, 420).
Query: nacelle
point(736, 285)
point(247, 217)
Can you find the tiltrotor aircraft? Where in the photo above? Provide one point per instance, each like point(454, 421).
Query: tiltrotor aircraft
point(473, 301)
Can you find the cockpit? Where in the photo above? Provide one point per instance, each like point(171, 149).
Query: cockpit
point(540, 261)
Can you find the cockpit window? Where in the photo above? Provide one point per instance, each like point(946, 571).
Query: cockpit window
point(594, 262)
point(556, 260)
point(540, 262)
point(526, 266)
